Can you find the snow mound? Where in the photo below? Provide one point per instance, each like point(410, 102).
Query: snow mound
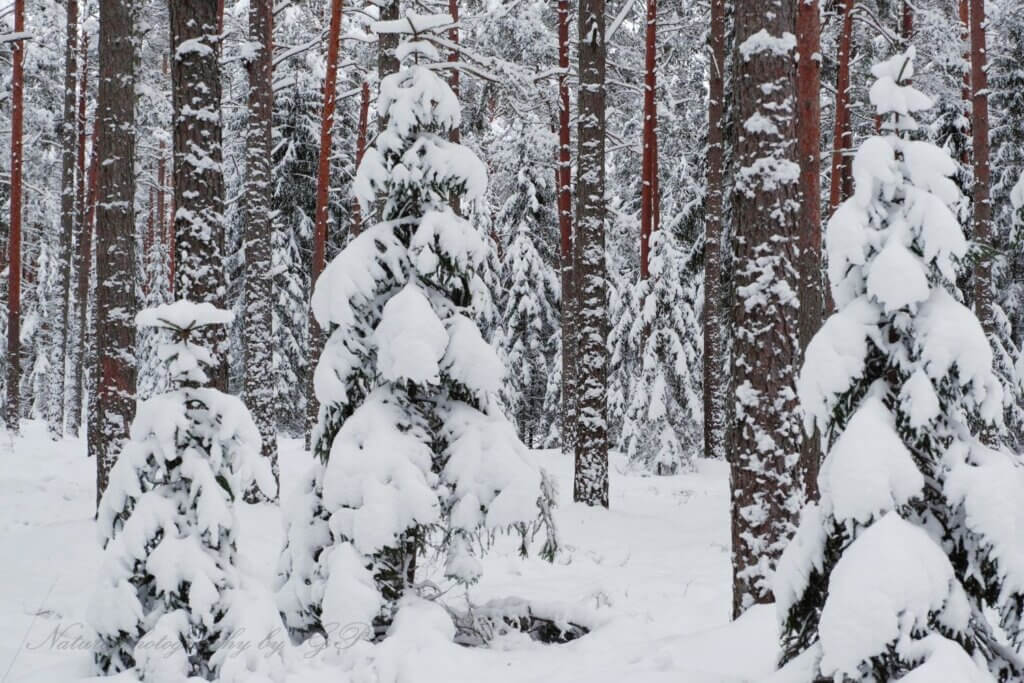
point(869, 470)
point(867, 610)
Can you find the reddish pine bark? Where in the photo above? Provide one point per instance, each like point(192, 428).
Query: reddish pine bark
point(13, 412)
point(650, 160)
point(843, 135)
point(715, 379)
point(907, 23)
point(364, 116)
point(981, 200)
point(322, 204)
point(808, 107)
point(564, 182)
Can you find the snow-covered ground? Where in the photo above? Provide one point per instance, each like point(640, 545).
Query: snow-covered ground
point(653, 571)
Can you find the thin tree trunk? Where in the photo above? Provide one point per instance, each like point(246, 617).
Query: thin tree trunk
point(843, 135)
point(766, 346)
point(715, 377)
point(364, 120)
point(65, 257)
point(565, 253)
point(907, 24)
point(258, 340)
point(147, 244)
point(590, 484)
point(316, 337)
point(115, 235)
point(171, 241)
point(387, 61)
point(83, 255)
point(808, 36)
point(85, 372)
point(198, 169)
point(981, 199)
point(163, 225)
point(649, 158)
point(13, 412)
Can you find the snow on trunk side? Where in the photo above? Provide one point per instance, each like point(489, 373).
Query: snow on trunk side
point(766, 205)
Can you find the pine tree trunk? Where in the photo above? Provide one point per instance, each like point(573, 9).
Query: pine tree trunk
point(13, 407)
point(649, 160)
point(316, 336)
point(83, 253)
point(808, 36)
point(115, 235)
point(766, 441)
point(364, 121)
point(843, 135)
point(198, 169)
point(979, 132)
point(258, 340)
point(981, 199)
point(92, 372)
point(907, 24)
point(568, 301)
point(590, 484)
point(86, 377)
point(387, 61)
point(715, 378)
point(65, 257)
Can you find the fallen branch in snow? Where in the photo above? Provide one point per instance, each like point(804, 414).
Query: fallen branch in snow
point(544, 623)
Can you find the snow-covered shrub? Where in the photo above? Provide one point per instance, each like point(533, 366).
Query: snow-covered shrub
point(167, 518)
point(413, 456)
point(664, 414)
point(899, 568)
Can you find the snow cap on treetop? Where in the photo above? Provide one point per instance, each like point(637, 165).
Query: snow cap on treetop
point(892, 94)
point(412, 24)
point(415, 48)
point(183, 315)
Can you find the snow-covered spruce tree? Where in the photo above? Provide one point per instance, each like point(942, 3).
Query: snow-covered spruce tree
point(155, 269)
point(912, 548)
point(527, 339)
point(623, 310)
point(167, 519)
point(664, 416)
point(413, 456)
